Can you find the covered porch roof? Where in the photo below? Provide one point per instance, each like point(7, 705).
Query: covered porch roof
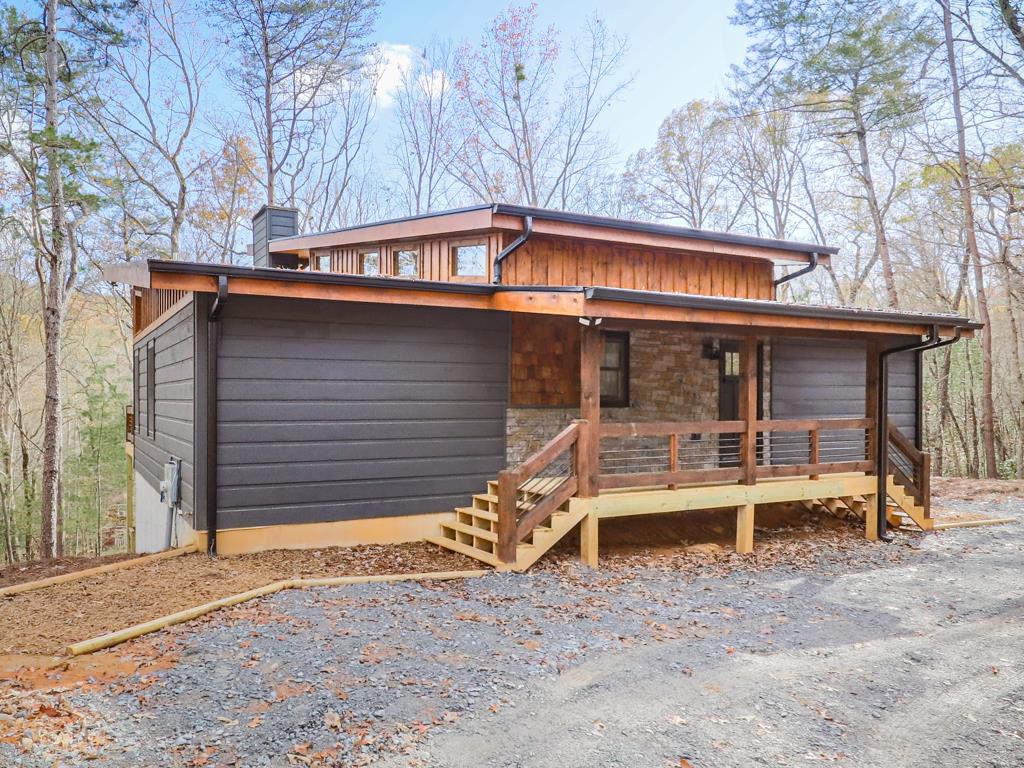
point(614, 304)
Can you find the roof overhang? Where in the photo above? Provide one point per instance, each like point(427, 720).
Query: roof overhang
point(616, 305)
point(488, 218)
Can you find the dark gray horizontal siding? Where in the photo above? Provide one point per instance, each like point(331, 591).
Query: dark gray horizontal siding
point(331, 411)
point(826, 378)
point(174, 375)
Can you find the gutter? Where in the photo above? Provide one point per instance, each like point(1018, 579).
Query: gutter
point(212, 355)
point(811, 266)
point(882, 418)
point(759, 306)
point(512, 247)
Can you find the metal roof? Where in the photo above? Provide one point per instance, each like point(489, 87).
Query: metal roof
point(626, 225)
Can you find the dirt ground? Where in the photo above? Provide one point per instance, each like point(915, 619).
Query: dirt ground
point(679, 653)
point(45, 621)
point(43, 569)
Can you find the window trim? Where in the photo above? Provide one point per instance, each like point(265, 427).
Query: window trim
point(394, 261)
point(330, 262)
point(361, 262)
point(453, 246)
point(151, 388)
point(608, 401)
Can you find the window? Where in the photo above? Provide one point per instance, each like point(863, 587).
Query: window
point(615, 371)
point(731, 363)
point(369, 263)
point(469, 260)
point(151, 388)
point(323, 262)
point(407, 263)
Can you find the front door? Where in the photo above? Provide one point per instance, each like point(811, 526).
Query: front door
point(728, 400)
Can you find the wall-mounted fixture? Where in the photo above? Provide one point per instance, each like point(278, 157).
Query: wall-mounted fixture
point(709, 349)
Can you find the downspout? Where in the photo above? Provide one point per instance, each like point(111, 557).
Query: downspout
point(212, 354)
point(882, 418)
point(511, 247)
point(811, 266)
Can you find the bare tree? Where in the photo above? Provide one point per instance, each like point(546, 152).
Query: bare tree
point(967, 202)
point(148, 109)
point(228, 191)
point(684, 176)
point(425, 148)
point(289, 54)
point(529, 137)
point(328, 158)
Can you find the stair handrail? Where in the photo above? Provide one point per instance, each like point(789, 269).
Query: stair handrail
point(512, 530)
point(920, 461)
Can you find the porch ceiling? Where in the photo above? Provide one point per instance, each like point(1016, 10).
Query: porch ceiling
point(614, 305)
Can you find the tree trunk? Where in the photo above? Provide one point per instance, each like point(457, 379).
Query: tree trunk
point(268, 117)
point(881, 236)
point(967, 203)
point(53, 297)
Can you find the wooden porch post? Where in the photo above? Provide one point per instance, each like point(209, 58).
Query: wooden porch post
point(871, 399)
point(589, 446)
point(871, 508)
point(748, 410)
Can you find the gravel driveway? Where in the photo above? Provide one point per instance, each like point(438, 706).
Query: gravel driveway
point(902, 654)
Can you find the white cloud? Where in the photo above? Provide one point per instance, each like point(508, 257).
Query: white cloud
point(394, 60)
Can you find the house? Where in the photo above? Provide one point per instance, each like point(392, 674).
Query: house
point(492, 377)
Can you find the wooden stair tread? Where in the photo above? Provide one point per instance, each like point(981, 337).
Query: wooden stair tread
point(471, 530)
point(465, 549)
point(483, 514)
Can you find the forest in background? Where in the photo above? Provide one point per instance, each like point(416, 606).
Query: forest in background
point(134, 129)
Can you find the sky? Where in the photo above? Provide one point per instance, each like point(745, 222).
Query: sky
point(678, 50)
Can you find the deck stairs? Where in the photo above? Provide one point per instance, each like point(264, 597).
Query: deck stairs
point(474, 531)
point(901, 507)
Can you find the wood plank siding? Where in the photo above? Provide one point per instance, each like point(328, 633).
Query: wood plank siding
point(561, 261)
point(434, 257)
point(826, 378)
point(169, 428)
point(150, 304)
point(554, 261)
point(333, 411)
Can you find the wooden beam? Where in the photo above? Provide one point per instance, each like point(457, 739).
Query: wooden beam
point(589, 446)
point(748, 410)
point(652, 502)
point(589, 540)
point(871, 515)
point(745, 528)
point(564, 303)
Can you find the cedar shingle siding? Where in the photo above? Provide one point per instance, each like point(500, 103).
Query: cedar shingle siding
point(344, 411)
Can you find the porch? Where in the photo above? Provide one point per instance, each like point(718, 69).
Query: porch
point(595, 468)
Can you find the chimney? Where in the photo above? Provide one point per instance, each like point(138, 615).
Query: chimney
point(270, 223)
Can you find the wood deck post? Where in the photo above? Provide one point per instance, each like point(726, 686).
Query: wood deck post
point(745, 528)
point(871, 516)
point(588, 540)
point(508, 497)
point(748, 410)
point(589, 447)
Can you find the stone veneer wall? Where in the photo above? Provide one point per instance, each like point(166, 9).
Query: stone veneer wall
point(669, 381)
